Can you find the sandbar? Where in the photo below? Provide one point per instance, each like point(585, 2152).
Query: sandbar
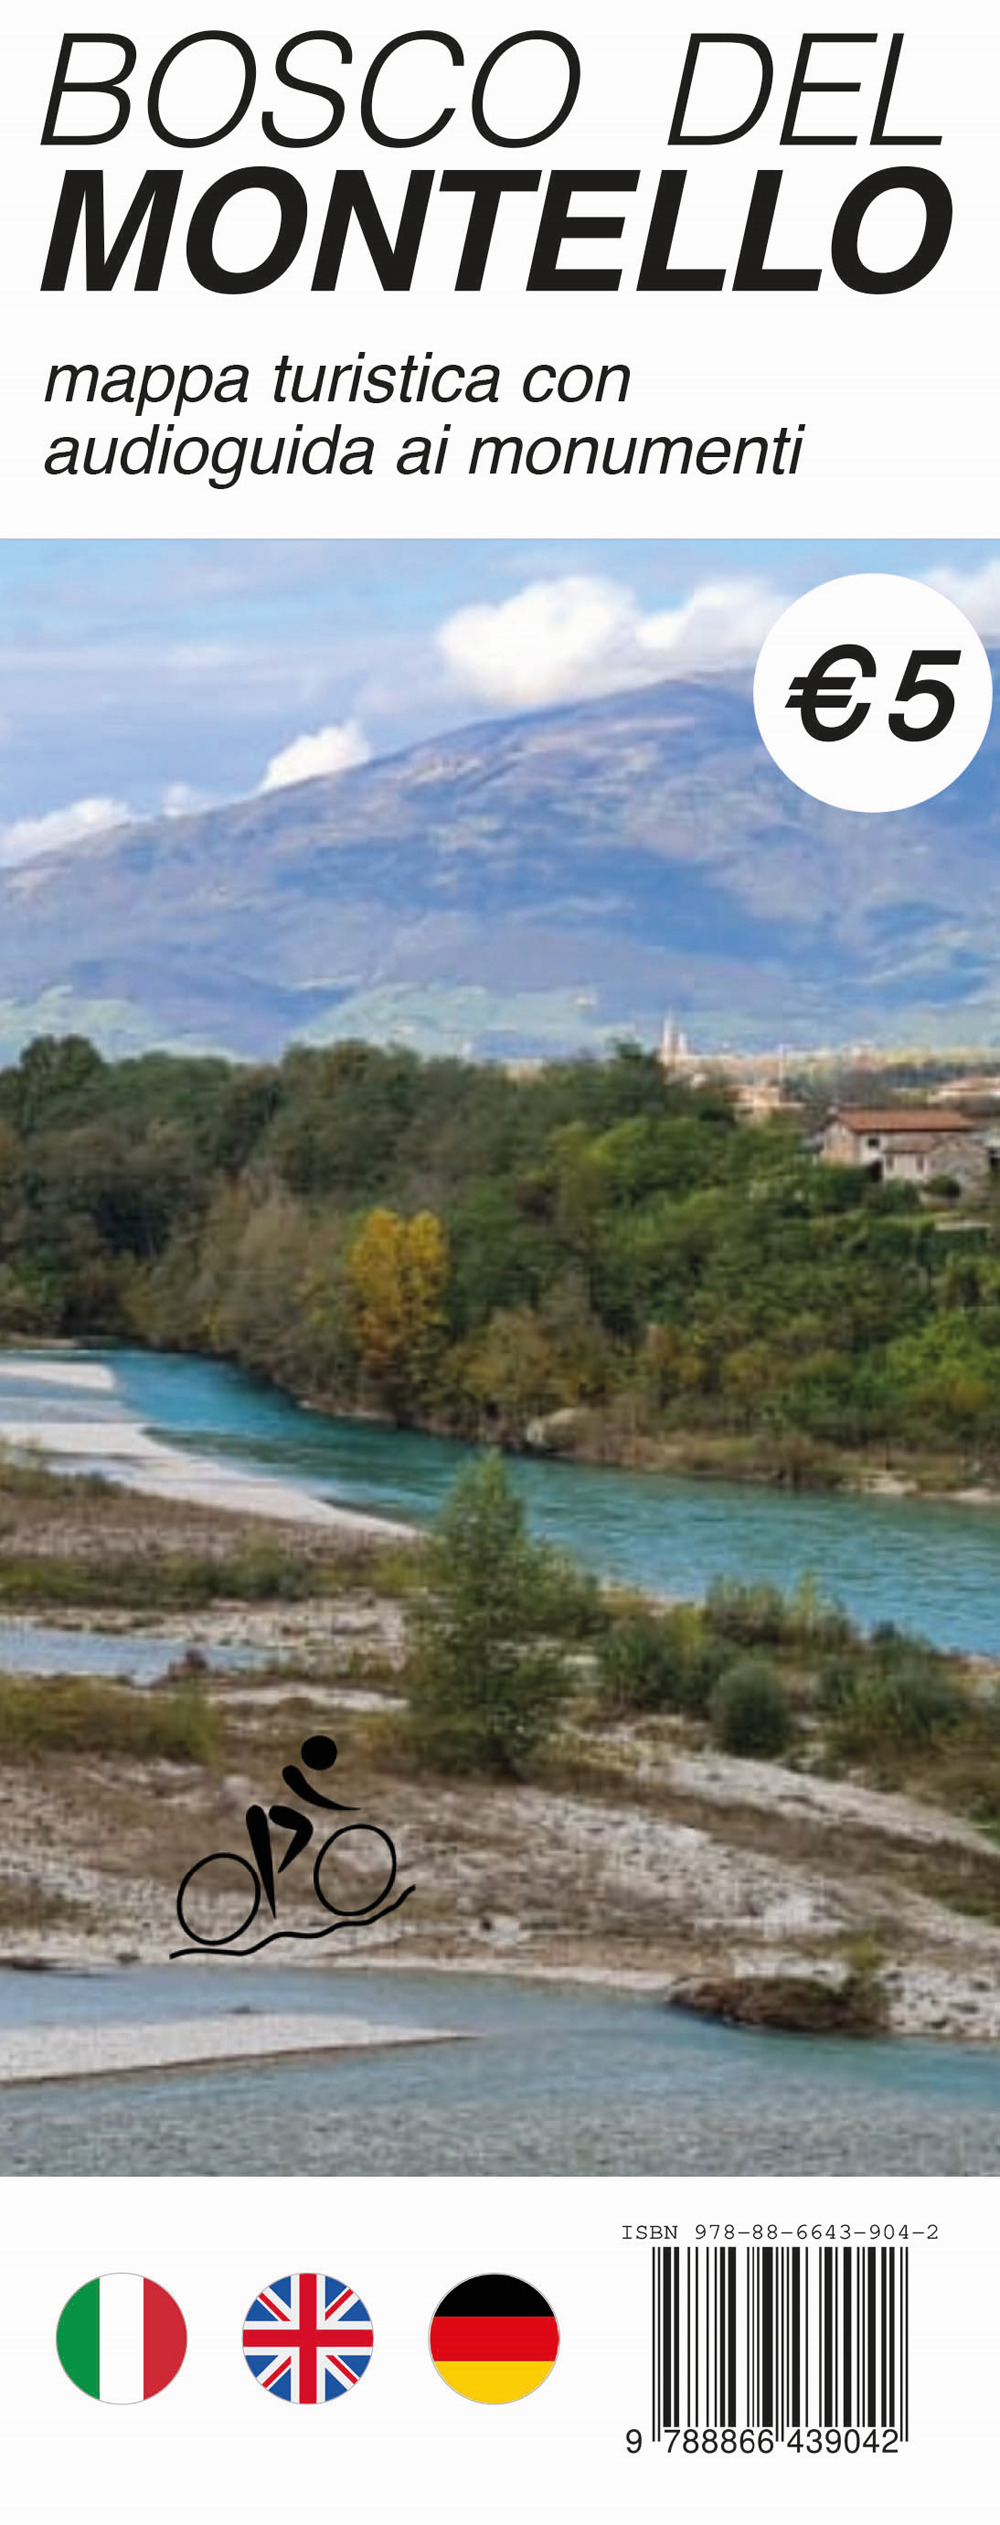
point(39, 2054)
point(126, 1453)
point(70, 1373)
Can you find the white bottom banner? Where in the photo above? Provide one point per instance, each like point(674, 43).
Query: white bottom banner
point(787, 2340)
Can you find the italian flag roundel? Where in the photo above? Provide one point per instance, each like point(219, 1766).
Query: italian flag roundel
point(494, 2339)
point(121, 2338)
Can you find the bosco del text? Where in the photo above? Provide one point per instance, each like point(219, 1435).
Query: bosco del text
point(586, 228)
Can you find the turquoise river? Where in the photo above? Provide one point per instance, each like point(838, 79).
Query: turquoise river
point(556, 2079)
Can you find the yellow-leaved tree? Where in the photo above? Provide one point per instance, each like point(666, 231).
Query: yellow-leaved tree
point(397, 1282)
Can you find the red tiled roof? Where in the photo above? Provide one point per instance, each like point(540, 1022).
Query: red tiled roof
point(898, 1118)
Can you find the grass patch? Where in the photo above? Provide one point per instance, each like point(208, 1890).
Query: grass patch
point(27, 1476)
point(965, 1881)
point(145, 1582)
point(149, 1576)
point(68, 1716)
point(398, 1570)
point(26, 1906)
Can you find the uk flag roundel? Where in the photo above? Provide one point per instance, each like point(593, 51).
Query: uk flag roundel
point(307, 2338)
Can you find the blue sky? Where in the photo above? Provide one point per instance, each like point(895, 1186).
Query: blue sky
point(142, 675)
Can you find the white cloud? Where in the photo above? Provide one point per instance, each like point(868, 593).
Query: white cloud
point(180, 799)
point(330, 750)
point(976, 591)
point(34, 835)
point(562, 639)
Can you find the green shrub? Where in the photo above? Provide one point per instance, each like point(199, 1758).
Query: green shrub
point(651, 1661)
point(882, 1709)
point(751, 1714)
point(752, 1616)
point(817, 1624)
point(758, 1615)
point(835, 1684)
point(896, 1692)
point(889, 1648)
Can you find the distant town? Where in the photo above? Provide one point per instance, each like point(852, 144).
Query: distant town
point(906, 1115)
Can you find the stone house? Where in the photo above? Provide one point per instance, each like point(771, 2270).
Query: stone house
point(908, 1144)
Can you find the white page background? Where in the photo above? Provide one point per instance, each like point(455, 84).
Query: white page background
point(898, 393)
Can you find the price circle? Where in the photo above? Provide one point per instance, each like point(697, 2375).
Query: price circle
point(873, 692)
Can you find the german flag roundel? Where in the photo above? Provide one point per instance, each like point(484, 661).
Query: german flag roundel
point(494, 2338)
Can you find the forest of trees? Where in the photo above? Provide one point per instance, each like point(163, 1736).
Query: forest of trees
point(455, 1246)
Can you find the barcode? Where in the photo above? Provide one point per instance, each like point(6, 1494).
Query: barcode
point(781, 2337)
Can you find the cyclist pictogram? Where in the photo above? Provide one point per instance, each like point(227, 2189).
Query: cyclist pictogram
point(369, 1841)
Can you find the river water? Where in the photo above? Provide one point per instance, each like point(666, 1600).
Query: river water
point(555, 2081)
point(932, 1566)
point(40, 1648)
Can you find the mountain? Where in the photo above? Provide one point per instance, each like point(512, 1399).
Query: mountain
point(525, 886)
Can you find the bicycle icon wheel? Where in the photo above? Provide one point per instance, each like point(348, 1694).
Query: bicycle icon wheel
point(359, 1911)
point(217, 1858)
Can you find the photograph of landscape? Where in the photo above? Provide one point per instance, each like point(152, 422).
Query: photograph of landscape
point(499, 1378)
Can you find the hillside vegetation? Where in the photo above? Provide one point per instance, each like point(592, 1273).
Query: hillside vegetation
point(456, 1247)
